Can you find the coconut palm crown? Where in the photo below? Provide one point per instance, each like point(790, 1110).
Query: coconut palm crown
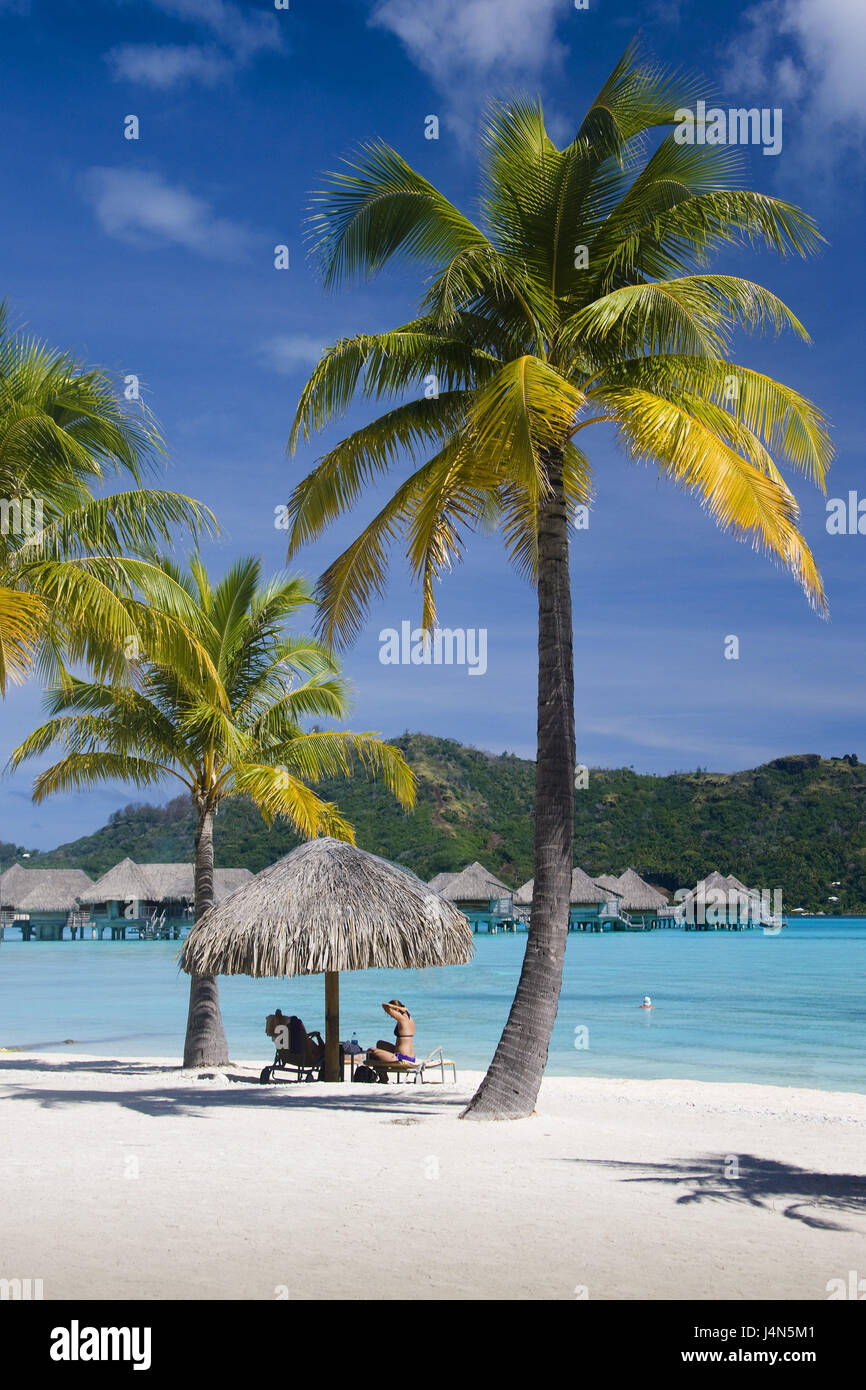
point(231, 727)
point(579, 297)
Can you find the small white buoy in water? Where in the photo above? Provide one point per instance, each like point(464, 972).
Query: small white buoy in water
point(647, 1003)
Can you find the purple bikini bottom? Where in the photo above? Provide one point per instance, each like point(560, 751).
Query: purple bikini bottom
point(401, 1057)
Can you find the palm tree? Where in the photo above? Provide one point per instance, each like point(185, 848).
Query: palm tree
point(73, 567)
point(579, 297)
point(229, 728)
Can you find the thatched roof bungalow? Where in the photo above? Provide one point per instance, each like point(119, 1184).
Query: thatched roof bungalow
point(486, 900)
point(721, 900)
point(637, 895)
point(473, 884)
point(42, 890)
point(40, 901)
point(635, 899)
point(57, 893)
point(584, 891)
point(153, 888)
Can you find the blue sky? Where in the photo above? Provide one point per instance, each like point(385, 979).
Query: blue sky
point(155, 257)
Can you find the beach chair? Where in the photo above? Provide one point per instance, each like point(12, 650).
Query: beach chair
point(433, 1062)
point(304, 1054)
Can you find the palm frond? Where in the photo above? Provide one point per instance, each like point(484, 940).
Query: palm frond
point(385, 364)
point(339, 478)
point(741, 497)
point(22, 623)
point(78, 771)
point(334, 753)
point(790, 425)
point(279, 794)
point(379, 206)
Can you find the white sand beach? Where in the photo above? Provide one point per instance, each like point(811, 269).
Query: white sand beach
point(127, 1178)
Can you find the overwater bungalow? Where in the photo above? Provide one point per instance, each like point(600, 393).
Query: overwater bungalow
point(642, 905)
point(589, 904)
point(41, 902)
point(156, 899)
point(723, 903)
point(480, 895)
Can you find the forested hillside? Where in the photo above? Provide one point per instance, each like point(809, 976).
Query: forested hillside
point(798, 823)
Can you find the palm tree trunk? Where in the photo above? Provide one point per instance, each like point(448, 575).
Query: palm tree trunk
point(510, 1088)
point(205, 1044)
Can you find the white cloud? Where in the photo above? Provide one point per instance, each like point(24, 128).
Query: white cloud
point(244, 33)
point(236, 38)
point(461, 44)
point(288, 352)
point(810, 54)
point(145, 210)
point(168, 65)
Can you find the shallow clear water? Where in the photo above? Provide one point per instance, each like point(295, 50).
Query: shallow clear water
point(730, 1006)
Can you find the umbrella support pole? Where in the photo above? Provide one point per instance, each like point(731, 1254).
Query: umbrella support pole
point(332, 1026)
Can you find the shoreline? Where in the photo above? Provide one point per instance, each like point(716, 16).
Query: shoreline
point(251, 1067)
point(248, 1069)
point(133, 1179)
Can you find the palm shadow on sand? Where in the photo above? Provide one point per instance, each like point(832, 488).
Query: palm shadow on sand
point(796, 1193)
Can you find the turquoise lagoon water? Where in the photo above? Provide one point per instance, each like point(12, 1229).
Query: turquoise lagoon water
point(784, 1010)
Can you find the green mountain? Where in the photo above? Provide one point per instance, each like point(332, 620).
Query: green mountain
point(797, 823)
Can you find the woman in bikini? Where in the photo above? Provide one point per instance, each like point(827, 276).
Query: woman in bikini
point(403, 1047)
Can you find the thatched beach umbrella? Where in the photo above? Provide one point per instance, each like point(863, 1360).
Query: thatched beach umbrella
point(326, 907)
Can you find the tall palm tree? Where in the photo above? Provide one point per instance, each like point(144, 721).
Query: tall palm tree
point(579, 297)
point(73, 568)
point(229, 728)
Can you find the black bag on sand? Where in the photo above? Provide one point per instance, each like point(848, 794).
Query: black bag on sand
point(365, 1073)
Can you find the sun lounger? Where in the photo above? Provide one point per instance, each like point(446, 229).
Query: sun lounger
point(433, 1062)
point(296, 1050)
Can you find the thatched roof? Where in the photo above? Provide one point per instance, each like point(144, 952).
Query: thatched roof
point(439, 882)
point(727, 884)
point(523, 895)
point(328, 906)
point(125, 881)
point(225, 881)
point(42, 890)
point(583, 891)
point(10, 882)
point(717, 883)
point(159, 883)
point(638, 895)
point(474, 884)
point(610, 884)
